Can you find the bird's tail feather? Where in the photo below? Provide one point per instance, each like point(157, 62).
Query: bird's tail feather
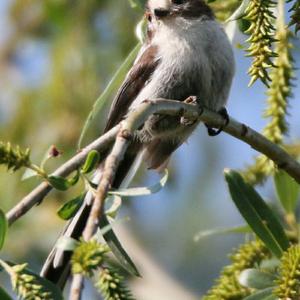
point(57, 265)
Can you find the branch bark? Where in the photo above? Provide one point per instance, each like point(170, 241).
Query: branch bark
point(169, 107)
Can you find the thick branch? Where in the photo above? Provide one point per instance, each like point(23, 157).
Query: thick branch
point(169, 107)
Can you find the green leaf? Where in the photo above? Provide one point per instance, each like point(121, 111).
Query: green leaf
point(114, 83)
point(4, 295)
point(116, 248)
point(59, 183)
point(257, 214)
point(3, 228)
point(256, 279)
point(219, 231)
point(70, 208)
point(62, 184)
point(142, 191)
point(287, 190)
point(91, 162)
point(72, 181)
point(265, 294)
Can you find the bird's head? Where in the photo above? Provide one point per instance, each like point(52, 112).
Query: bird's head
point(167, 10)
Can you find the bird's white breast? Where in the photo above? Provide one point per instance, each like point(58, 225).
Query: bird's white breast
point(186, 48)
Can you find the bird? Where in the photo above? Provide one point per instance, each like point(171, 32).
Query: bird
point(186, 55)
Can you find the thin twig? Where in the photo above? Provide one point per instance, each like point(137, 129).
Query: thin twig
point(170, 107)
point(41, 191)
point(110, 168)
point(76, 287)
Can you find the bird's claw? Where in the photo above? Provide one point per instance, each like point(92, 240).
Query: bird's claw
point(187, 121)
point(215, 131)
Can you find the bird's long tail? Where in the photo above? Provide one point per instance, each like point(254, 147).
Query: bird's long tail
point(57, 265)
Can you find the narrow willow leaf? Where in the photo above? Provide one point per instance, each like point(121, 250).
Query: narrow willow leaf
point(70, 208)
point(3, 228)
point(116, 248)
point(287, 190)
point(91, 162)
point(4, 295)
point(66, 243)
point(257, 214)
point(113, 204)
point(142, 191)
point(114, 83)
point(220, 231)
point(256, 279)
point(239, 12)
point(265, 294)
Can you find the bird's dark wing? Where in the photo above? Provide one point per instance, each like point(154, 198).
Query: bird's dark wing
point(134, 82)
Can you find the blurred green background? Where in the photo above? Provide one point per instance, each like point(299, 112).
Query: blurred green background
point(56, 56)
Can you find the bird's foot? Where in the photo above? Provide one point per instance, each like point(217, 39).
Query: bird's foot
point(215, 131)
point(187, 121)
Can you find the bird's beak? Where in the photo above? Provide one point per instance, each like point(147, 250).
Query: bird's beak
point(161, 13)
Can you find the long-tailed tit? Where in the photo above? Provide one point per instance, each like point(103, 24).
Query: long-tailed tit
point(186, 53)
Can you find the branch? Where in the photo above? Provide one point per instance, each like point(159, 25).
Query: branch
point(76, 287)
point(40, 192)
point(169, 107)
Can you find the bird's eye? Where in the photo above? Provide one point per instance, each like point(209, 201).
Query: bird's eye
point(148, 16)
point(178, 1)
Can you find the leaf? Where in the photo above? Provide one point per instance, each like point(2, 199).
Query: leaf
point(239, 12)
point(257, 214)
point(3, 228)
point(59, 183)
point(256, 279)
point(218, 231)
point(270, 264)
point(142, 191)
point(69, 209)
point(72, 181)
point(4, 295)
point(114, 203)
point(111, 87)
point(265, 294)
point(287, 190)
point(29, 173)
point(62, 184)
point(116, 248)
point(91, 162)
point(66, 243)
